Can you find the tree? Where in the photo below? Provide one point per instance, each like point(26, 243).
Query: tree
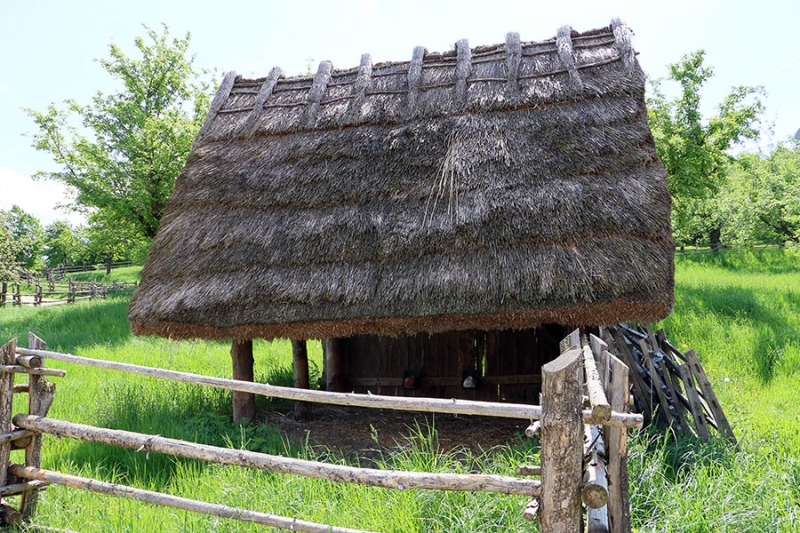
point(694, 150)
point(8, 250)
point(27, 235)
point(139, 137)
point(63, 245)
point(762, 197)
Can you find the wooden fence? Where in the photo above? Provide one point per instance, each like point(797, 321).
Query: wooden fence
point(583, 450)
point(60, 293)
point(670, 387)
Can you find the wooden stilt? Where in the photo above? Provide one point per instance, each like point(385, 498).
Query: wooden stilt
point(333, 365)
point(302, 410)
point(244, 403)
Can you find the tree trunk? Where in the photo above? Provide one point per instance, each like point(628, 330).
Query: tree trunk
point(714, 238)
point(244, 403)
point(108, 264)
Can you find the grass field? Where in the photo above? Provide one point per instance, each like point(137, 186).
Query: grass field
point(740, 311)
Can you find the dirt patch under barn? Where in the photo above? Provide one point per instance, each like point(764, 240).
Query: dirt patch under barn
point(367, 433)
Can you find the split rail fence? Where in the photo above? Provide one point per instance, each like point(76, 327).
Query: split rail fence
point(583, 441)
point(59, 293)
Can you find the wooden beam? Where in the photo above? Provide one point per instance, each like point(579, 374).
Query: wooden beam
point(425, 405)
point(244, 403)
point(388, 479)
point(176, 502)
point(705, 385)
point(302, 410)
point(562, 443)
point(333, 365)
point(601, 410)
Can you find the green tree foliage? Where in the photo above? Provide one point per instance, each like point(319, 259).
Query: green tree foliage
point(8, 250)
point(124, 169)
point(27, 235)
point(694, 149)
point(63, 245)
point(761, 201)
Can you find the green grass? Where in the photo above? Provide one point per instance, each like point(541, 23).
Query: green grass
point(739, 310)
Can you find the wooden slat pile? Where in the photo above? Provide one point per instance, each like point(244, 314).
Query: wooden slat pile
point(670, 387)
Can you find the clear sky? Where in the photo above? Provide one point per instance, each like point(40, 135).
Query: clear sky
point(48, 47)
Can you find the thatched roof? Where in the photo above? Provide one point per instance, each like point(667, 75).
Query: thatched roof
point(495, 187)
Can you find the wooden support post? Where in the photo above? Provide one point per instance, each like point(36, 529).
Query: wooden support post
point(562, 443)
point(302, 410)
point(333, 365)
point(244, 403)
point(40, 397)
point(618, 389)
point(3, 293)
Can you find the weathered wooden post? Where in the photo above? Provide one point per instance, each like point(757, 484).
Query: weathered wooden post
point(3, 292)
point(244, 403)
point(333, 365)
point(40, 397)
point(618, 390)
point(302, 410)
point(562, 443)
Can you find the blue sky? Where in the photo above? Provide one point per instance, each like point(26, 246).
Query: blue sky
point(48, 47)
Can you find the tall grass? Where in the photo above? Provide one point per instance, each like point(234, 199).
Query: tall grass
point(740, 312)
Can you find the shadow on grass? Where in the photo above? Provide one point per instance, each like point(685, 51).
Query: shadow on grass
point(770, 261)
point(733, 305)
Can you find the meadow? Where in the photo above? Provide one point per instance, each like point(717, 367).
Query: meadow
point(740, 310)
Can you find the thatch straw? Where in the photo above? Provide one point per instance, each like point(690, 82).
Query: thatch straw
point(514, 190)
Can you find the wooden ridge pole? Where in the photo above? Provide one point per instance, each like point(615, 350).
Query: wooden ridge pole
point(388, 479)
point(428, 405)
point(176, 502)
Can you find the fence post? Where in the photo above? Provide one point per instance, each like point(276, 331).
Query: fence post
point(18, 295)
point(618, 391)
point(562, 443)
point(3, 293)
point(37, 296)
point(71, 292)
point(40, 396)
point(7, 357)
point(93, 293)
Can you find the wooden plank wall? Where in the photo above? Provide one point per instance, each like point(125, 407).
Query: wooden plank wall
point(507, 364)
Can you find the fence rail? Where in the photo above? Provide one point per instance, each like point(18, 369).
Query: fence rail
point(556, 501)
point(60, 293)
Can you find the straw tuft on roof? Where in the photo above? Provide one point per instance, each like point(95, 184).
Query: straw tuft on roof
point(494, 187)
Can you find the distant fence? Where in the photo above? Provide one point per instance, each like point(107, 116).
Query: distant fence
point(696, 249)
point(60, 272)
point(59, 293)
point(583, 450)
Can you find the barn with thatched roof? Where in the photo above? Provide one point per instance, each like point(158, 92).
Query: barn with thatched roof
point(442, 218)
